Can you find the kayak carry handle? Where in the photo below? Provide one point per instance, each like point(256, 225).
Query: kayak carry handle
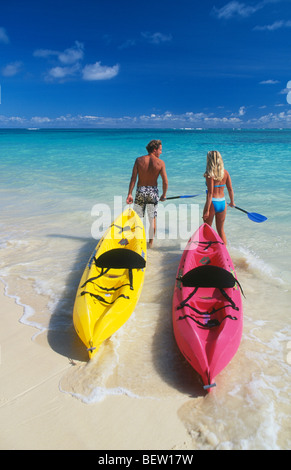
point(206, 387)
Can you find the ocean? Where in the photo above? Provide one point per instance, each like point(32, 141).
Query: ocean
point(61, 188)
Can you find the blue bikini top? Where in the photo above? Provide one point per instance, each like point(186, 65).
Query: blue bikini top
point(217, 186)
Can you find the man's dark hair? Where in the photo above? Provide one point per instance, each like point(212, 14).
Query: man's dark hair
point(153, 145)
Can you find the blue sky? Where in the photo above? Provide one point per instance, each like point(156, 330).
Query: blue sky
point(153, 63)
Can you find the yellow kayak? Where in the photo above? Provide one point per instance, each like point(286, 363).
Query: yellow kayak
point(112, 281)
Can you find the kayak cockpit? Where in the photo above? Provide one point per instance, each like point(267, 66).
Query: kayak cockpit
point(214, 280)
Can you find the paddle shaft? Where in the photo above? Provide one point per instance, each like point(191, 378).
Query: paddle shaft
point(246, 212)
point(181, 197)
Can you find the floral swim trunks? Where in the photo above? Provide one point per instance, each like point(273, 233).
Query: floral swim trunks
point(146, 196)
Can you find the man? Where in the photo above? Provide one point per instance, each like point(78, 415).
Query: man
point(148, 168)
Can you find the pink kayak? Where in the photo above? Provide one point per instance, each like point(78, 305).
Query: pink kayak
point(207, 305)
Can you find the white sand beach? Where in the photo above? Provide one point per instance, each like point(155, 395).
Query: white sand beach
point(35, 414)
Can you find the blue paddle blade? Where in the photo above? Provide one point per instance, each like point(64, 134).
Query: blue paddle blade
point(253, 215)
point(257, 217)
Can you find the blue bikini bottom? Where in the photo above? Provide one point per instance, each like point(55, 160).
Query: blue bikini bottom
point(219, 204)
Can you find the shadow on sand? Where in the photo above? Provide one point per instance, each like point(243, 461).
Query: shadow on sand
point(62, 336)
point(167, 359)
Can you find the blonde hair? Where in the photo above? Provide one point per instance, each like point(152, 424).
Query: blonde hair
point(214, 166)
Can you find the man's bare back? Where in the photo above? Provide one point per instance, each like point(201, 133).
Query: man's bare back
point(148, 169)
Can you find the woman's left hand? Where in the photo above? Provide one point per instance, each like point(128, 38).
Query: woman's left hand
point(205, 215)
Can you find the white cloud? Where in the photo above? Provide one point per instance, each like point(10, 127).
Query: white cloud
point(62, 72)
point(235, 8)
point(68, 56)
point(126, 44)
point(284, 91)
point(157, 38)
point(222, 120)
point(269, 82)
point(40, 120)
point(45, 53)
point(274, 26)
point(272, 119)
point(99, 72)
point(12, 121)
point(151, 38)
point(167, 119)
point(69, 64)
point(73, 54)
point(11, 69)
point(3, 36)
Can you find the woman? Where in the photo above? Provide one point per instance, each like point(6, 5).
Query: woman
point(216, 180)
